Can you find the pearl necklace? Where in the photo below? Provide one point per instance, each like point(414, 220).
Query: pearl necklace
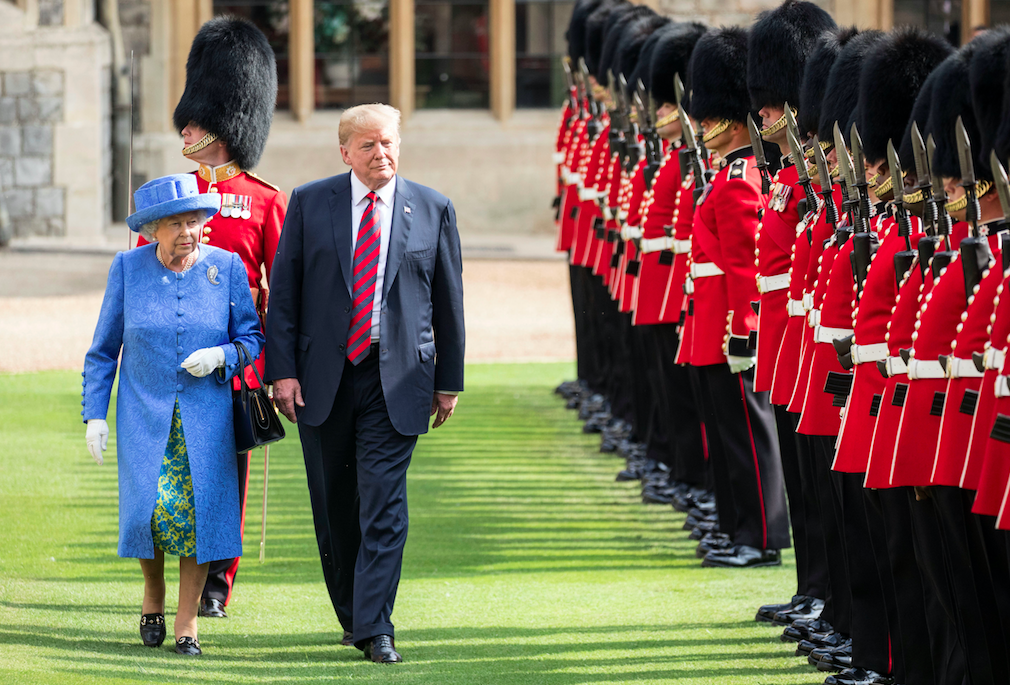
point(187, 264)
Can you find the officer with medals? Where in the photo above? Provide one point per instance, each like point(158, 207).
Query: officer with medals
point(224, 117)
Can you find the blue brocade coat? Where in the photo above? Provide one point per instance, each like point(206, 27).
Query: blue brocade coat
point(158, 318)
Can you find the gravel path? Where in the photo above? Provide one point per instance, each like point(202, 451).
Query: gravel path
point(49, 304)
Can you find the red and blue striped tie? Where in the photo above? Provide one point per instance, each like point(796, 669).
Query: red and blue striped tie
point(366, 269)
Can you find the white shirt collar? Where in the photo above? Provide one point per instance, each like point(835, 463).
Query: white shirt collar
point(359, 190)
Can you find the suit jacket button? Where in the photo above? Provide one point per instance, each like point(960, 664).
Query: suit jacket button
point(346, 309)
point(341, 347)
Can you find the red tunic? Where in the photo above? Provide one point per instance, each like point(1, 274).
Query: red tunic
point(657, 215)
point(674, 300)
point(776, 237)
point(570, 196)
point(817, 287)
point(725, 228)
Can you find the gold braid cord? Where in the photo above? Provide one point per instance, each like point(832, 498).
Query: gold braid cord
point(872, 180)
point(716, 131)
point(981, 188)
point(777, 126)
point(200, 144)
point(668, 119)
point(913, 199)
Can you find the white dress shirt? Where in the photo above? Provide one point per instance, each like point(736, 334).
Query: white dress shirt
point(384, 212)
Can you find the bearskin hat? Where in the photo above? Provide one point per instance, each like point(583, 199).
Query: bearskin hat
point(631, 42)
point(952, 99)
point(988, 74)
point(842, 89)
point(619, 20)
point(717, 76)
point(576, 33)
point(892, 76)
point(778, 45)
point(670, 57)
point(643, 68)
point(596, 26)
point(231, 87)
point(815, 75)
point(920, 117)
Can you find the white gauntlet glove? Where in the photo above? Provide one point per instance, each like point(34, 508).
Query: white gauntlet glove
point(739, 364)
point(202, 362)
point(97, 437)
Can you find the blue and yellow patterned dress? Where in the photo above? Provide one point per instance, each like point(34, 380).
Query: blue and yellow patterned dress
point(173, 524)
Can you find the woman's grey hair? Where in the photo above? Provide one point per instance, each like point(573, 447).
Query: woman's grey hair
point(361, 117)
point(147, 230)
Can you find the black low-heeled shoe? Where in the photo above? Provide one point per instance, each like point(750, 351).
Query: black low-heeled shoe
point(188, 646)
point(152, 629)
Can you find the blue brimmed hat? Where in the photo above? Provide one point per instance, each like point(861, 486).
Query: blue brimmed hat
point(168, 196)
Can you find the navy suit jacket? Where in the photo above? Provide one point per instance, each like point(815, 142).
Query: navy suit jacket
point(422, 301)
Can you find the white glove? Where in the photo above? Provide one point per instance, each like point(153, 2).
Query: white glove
point(205, 361)
point(739, 364)
point(97, 437)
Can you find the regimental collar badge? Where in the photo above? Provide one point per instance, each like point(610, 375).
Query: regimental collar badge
point(212, 275)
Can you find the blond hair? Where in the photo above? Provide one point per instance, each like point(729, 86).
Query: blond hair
point(362, 117)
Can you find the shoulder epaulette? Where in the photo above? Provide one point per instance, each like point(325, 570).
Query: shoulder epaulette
point(737, 169)
point(253, 176)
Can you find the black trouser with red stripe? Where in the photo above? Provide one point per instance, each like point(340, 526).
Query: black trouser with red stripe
point(752, 465)
point(838, 603)
point(221, 576)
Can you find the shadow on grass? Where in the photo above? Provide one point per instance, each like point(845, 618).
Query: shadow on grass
point(440, 655)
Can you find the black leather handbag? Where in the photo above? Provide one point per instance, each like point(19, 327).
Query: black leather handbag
point(256, 421)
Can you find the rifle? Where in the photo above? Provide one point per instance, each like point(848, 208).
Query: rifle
point(760, 162)
point(633, 149)
point(967, 176)
point(593, 125)
point(696, 153)
point(799, 160)
point(939, 195)
point(858, 171)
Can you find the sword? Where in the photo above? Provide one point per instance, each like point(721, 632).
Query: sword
point(923, 182)
point(129, 169)
point(759, 155)
point(800, 162)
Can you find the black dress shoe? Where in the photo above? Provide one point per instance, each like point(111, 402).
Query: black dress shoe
point(811, 608)
point(742, 556)
point(212, 608)
point(822, 641)
point(348, 639)
point(711, 541)
point(766, 612)
point(152, 629)
point(858, 676)
point(381, 650)
point(188, 646)
point(832, 658)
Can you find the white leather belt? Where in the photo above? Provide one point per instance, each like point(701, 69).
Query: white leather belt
point(705, 270)
point(924, 368)
point(825, 334)
point(808, 301)
point(814, 318)
point(680, 246)
point(650, 245)
point(574, 178)
point(1002, 387)
point(590, 194)
point(895, 366)
point(962, 368)
point(559, 157)
point(608, 213)
point(630, 233)
point(769, 284)
point(993, 359)
point(862, 354)
point(689, 285)
point(795, 308)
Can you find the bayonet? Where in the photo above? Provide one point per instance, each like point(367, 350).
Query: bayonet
point(759, 155)
point(842, 155)
point(827, 186)
point(1001, 183)
point(923, 181)
point(967, 175)
point(943, 221)
point(900, 213)
point(593, 125)
point(803, 178)
point(573, 98)
point(696, 152)
point(858, 172)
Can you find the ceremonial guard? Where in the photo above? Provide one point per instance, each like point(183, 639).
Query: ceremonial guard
point(778, 46)
point(224, 118)
point(724, 280)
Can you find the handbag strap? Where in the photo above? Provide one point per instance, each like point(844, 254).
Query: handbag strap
point(242, 351)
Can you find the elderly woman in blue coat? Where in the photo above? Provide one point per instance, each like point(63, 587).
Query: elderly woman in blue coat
point(174, 309)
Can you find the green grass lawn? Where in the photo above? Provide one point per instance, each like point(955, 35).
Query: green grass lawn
point(526, 563)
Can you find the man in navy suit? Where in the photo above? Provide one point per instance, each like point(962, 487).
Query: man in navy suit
point(366, 286)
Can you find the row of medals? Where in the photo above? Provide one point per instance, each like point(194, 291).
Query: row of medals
point(236, 206)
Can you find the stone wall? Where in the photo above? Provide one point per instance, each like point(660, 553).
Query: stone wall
point(31, 104)
point(721, 12)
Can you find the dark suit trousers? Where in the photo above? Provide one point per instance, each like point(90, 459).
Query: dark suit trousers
point(356, 464)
